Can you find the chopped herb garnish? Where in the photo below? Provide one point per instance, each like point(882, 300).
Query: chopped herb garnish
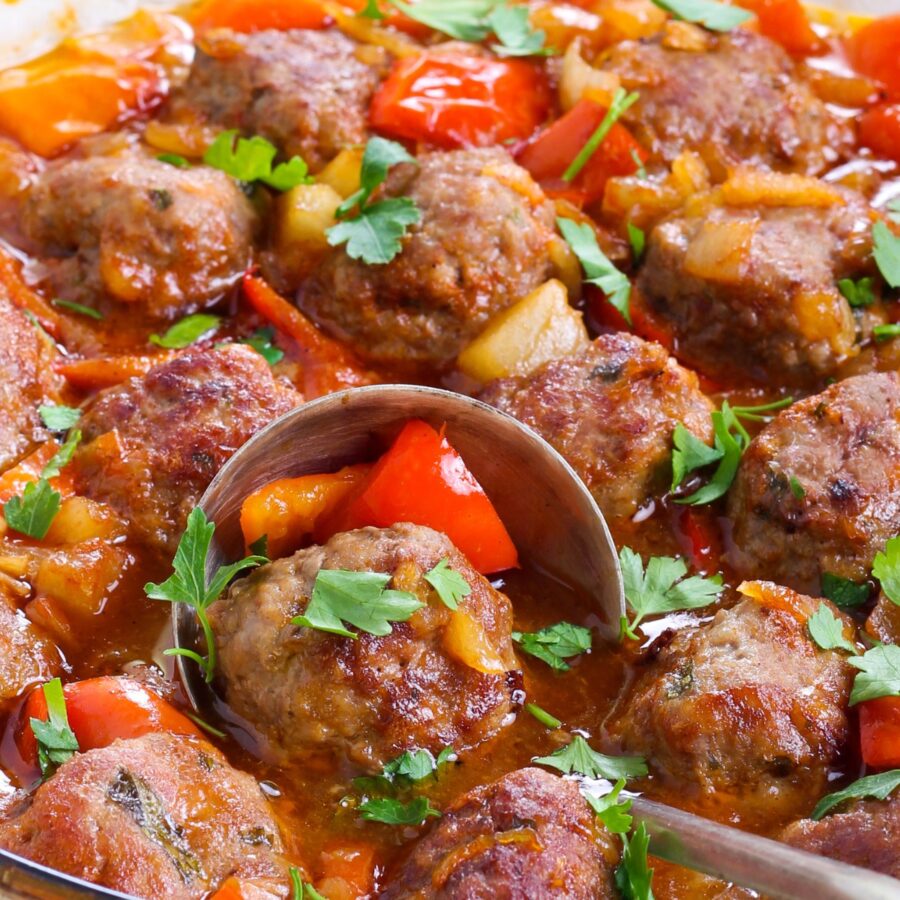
point(621, 102)
point(828, 631)
point(545, 718)
point(886, 332)
point(598, 269)
point(580, 757)
point(886, 568)
point(56, 742)
point(886, 251)
point(465, 20)
point(373, 234)
point(637, 239)
point(174, 159)
point(516, 36)
point(842, 592)
point(797, 489)
point(302, 890)
point(690, 454)
point(187, 331)
point(555, 644)
point(714, 16)
point(371, 11)
point(879, 674)
point(250, 160)
point(262, 342)
point(188, 584)
point(62, 457)
point(406, 770)
point(451, 587)
point(662, 588)
point(640, 170)
point(358, 598)
point(634, 877)
point(394, 812)
point(59, 418)
point(858, 293)
point(612, 812)
point(893, 210)
point(79, 308)
point(878, 786)
point(260, 547)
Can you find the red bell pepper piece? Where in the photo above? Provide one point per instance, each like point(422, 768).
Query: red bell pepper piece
point(879, 129)
point(454, 99)
point(874, 51)
point(251, 15)
point(879, 732)
point(786, 22)
point(422, 479)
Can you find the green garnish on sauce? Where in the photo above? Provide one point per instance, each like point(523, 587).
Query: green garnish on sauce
point(621, 102)
point(828, 631)
point(451, 587)
point(548, 720)
point(250, 160)
point(59, 418)
point(634, 877)
point(611, 811)
point(886, 568)
point(878, 786)
point(187, 331)
point(389, 811)
point(56, 742)
point(886, 250)
point(579, 757)
point(555, 644)
point(79, 308)
point(712, 15)
point(879, 674)
point(842, 592)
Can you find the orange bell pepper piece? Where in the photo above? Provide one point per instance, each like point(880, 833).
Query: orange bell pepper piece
point(874, 51)
point(879, 130)
point(786, 22)
point(103, 372)
point(251, 15)
point(28, 471)
point(879, 732)
point(348, 871)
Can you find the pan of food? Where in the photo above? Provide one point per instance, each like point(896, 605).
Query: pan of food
point(450, 449)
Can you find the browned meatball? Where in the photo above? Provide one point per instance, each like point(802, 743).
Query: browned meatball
point(437, 680)
point(156, 816)
point(306, 91)
point(481, 245)
point(529, 835)
point(610, 411)
point(775, 312)
point(26, 381)
point(743, 716)
point(818, 490)
point(152, 445)
point(140, 231)
point(864, 833)
point(738, 100)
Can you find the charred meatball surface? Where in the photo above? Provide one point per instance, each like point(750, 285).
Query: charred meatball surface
point(481, 245)
point(306, 91)
point(737, 99)
point(530, 834)
point(776, 308)
point(610, 411)
point(842, 447)
point(156, 816)
point(744, 715)
point(440, 679)
point(153, 445)
point(140, 231)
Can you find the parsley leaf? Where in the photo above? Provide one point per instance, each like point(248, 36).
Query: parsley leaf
point(260, 547)
point(797, 489)
point(598, 269)
point(371, 11)
point(516, 36)
point(555, 644)
point(885, 332)
point(690, 454)
point(637, 239)
point(879, 674)
point(359, 598)
point(187, 331)
point(62, 457)
point(59, 418)
point(174, 159)
point(250, 159)
point(78, 308)
point(188, 584)
point(56, 742)
point(858, 293)
point(302, 890)
point(828, 631)
point(379, 157)
point(886, 251)
point(886, 568)
point(262, 342)
point(893, 210)
point(634, 877)
point(580, 757)
point(395, 812)
point(662, 588)
point(621, 102)
point(879, 786)
point(416, 765)
point(546, 719)
point(610, 811)
point(451, 587)
point(842, 592)
point(465, 20)
point(714, 16)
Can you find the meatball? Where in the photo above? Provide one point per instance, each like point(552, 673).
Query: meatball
point(777, 310)
point(737, 100)
point(140, 231)
point(440, 679)
point(26, 381)
point(610, 411)
point(744, 715)
point(306, 91)
point(865, 833)
point(530, 834)
point(481, 245)
point(152, 445)
point(818, 490)
point(156, 816)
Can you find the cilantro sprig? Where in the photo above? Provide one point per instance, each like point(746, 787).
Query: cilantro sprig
point(886, 250)
point(634, 877)
point(187, 331)
point(514, 32)
point(555, 644)
point(263, 342)
point(879, 674)
point(843, 592)
point(188, 584)
point(389, 811)
point(612, 812)
point(709, 13)
point(56, 742)
point(879, 786)
point(827, 630)
point(450, 585)
point(598, 268)
point(59, 418)
point(858, 293)
point(250, 160)
point(886, 568)
point(578, 756)
point(548, 720)
point(662, 588)
point(79, 308)
point(302, 890)
point(621, 102)
point(374, 233)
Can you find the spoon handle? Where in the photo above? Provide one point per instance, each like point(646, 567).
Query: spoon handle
point(772, 868)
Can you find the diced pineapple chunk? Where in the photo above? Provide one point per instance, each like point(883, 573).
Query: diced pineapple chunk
point(79, 577)
point(343, 172)
point(466, 641)
point(530, 333)
point(80, 519)
point(303, 215)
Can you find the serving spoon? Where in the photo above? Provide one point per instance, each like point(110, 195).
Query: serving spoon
point(556, 525)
